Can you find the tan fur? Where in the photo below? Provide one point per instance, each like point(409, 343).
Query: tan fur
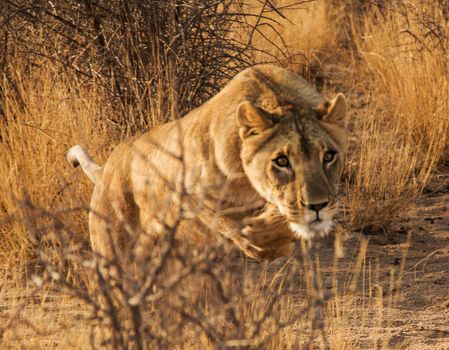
point(213, 170)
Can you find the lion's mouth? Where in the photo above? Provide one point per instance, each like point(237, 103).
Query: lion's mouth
point(315, 228)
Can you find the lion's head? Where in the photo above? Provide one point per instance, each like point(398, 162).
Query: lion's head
point(294, 158)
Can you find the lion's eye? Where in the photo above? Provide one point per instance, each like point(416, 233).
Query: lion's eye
point(329, 156)
point(282, 161)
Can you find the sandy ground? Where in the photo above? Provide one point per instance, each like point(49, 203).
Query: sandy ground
point(422, 309)
point(417, 316)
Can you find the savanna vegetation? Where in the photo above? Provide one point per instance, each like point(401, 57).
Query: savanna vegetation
point(97, 72)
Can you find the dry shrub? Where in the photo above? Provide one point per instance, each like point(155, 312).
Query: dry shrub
point(156, 60)
point(176, 300)
point(207, 300)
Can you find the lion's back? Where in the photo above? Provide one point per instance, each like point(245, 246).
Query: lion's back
point(269, 86)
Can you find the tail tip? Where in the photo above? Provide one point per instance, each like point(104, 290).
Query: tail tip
point(72, 155)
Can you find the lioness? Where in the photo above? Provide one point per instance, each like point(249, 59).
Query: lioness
point(258, 163)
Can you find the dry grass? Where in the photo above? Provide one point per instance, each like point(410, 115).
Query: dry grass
point(396, 77)
point(403, 129)
point(37, 129)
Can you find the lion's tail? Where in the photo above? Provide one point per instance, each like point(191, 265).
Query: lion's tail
point(78, 156)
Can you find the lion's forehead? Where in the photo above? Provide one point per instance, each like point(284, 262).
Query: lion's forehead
point(304, 136)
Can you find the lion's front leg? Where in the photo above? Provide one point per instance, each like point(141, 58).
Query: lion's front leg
point(267, 235)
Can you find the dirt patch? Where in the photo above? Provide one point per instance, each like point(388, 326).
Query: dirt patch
point(418, 316)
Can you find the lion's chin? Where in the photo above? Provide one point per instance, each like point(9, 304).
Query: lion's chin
point(311, 230)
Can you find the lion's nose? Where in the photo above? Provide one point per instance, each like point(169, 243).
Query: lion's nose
point(316, 207)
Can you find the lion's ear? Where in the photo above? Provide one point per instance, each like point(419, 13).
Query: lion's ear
point(335, 110)
point(253, 119)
